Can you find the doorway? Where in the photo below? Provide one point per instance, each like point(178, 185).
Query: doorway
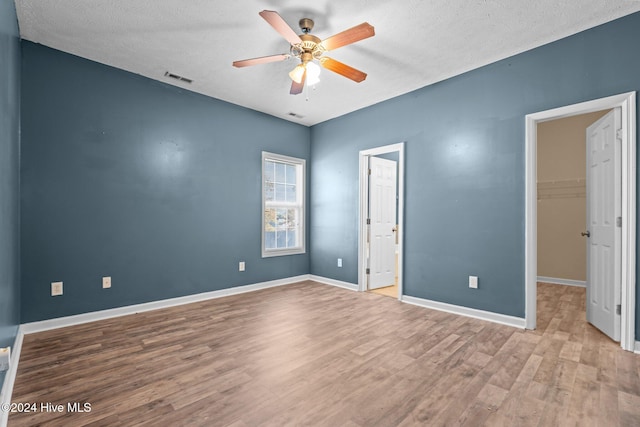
point(627, 135)
point(392, 252)
point(562, 214)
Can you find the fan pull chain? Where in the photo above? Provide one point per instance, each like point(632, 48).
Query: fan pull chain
point(306, 91)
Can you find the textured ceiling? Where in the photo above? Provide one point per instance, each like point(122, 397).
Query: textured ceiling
point(417, 42)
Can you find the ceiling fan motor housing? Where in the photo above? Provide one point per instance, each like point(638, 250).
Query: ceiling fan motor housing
point(309, 49)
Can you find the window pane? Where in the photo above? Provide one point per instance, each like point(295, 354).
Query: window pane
point(269, 191)
point(290, 191)
point(269, 170)
point(281, 239)
point(280, 172)
point(292, 218)
point(291, 174)
point(270, 240)
point(281, 218)
point(269, 220)
point(281, 193)
point(291, 238)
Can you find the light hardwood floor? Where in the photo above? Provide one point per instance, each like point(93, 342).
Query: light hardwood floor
point(311, 354)
point(389, 291)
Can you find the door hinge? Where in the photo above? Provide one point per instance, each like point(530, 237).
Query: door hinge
point(368, 271)
point(619, 134)
point(369, 171)
point(368, 221)
point(618, 309)
point(619, 221)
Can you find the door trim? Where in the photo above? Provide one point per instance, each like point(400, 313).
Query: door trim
point(627, 103)
point(362, 214)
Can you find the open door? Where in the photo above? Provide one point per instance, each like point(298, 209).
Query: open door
point(382, 216)
point(604, 224)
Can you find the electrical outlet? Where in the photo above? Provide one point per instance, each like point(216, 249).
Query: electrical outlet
point(339, 262)
point(473, 282)
point(5, 358)
point(106, 282)
point(56, 289)
point(241, 266)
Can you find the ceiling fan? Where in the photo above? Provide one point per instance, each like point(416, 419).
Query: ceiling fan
point(309, 48)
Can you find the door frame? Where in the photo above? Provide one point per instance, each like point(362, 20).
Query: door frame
point(627, 103)
point(362, 214)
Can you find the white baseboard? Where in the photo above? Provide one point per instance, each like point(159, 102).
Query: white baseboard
point(10, 378)
point(78, 319)
point(567, 282)
point(333, 282)
point(61, 322)
point(637, 349)
point(503, 319)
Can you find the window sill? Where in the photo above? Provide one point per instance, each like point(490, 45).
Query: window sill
point(283, 252)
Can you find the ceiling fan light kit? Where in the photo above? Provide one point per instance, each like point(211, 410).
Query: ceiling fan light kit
point(298, 73)
point(309, 49)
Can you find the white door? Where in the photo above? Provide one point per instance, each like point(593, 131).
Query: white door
point(382, 213)
point(603, 210)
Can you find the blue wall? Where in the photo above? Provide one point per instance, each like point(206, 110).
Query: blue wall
point(465, 183)
point(156, 186)
point(9, 175)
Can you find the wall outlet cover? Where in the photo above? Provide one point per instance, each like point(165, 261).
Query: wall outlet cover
point(106, 282)
point(56, 289)
point(241, 266)
point(473, 282)
point(5, 358)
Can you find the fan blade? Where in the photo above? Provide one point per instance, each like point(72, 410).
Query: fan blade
point(278, 24)
point(343, 69)
point(352, 35)
point(261, 60)
point(296, 88)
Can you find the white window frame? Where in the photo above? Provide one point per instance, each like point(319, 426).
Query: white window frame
point(300, 165)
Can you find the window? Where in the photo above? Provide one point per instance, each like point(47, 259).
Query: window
point(282, 205)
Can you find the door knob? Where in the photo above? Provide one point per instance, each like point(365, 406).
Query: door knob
point(586, 233)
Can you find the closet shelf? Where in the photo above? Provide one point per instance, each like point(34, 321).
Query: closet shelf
point(562, 189)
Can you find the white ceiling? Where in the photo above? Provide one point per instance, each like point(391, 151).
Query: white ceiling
point(417, 42)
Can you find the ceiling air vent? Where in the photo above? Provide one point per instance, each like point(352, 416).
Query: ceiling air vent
point(297, 116)
point(177, 77)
